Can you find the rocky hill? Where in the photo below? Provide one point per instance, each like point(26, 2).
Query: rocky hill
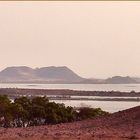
point(120, 80)
point(45, 74)
point(58, 75)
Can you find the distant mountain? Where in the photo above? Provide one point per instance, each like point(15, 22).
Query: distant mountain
point(45, 74)
point(58, 74)
point(22, 73)
point(93, 81)
point(113, 80)
point(136, 79)
point(120, 80)
point(54, 74)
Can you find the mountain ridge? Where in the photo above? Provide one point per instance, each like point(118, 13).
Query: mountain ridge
point(46, 74)
point(53, 74)
point(120, 80)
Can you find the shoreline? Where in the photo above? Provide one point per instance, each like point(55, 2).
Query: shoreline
point(66, 94)
point(97, 99)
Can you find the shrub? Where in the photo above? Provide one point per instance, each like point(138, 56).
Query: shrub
point(39, 111)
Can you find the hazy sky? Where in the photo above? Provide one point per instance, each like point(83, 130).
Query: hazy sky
point(95, 39)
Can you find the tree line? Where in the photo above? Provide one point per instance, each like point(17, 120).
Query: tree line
point(24, 112)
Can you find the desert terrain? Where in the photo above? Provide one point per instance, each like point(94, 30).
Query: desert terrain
point(121, 125)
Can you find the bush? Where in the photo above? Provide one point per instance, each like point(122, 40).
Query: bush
point(39, 111)
point(86, 112)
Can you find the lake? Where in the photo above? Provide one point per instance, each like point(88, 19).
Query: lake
point(110, 106)
point(87, 87)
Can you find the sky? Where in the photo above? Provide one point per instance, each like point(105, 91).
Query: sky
point(94, 39)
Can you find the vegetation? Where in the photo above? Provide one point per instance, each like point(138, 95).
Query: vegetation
point(36, 111)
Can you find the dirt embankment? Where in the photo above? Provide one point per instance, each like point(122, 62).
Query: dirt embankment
point(118, 126)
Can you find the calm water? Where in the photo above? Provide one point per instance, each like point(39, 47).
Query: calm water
point(88, 87)
point(110, 106)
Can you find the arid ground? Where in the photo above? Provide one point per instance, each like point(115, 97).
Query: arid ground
point(118, 126)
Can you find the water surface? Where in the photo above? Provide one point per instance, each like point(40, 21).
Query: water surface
point(87, 87)
point(110, 106)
